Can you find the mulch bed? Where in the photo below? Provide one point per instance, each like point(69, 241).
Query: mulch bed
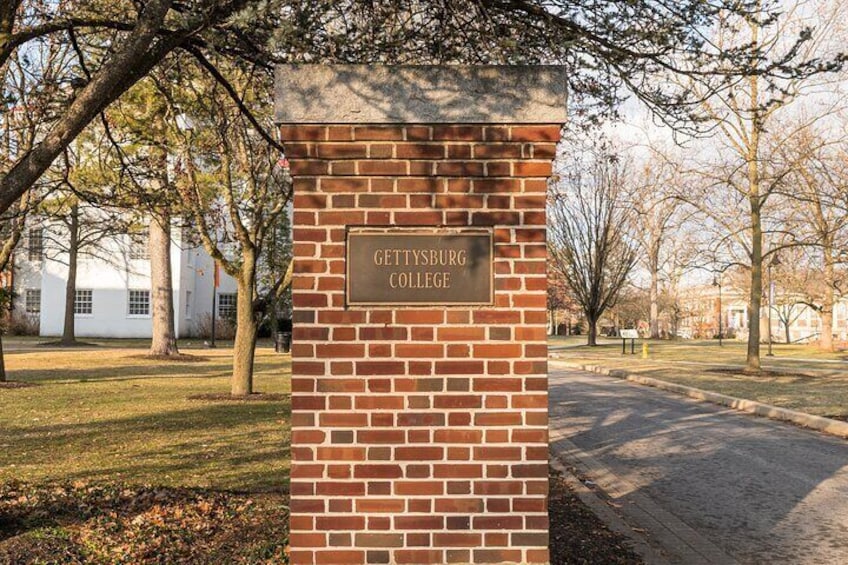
point(16, 384)
point(578, 536)
point(69, 345)
point(764, 373)
point(255, 397)
point(79, 523)
point(122, 524)
point(179, 358)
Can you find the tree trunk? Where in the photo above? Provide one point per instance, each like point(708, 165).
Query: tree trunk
point(788, 334)
point(69, 330)
point(164, 338)
point(752, 362)
point(655, 282)
point(592, 336)
point(274, 322)
point(2, 361)
point(826, 340)
point(246, 330)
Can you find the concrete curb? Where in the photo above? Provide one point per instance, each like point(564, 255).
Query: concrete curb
point(819, 423)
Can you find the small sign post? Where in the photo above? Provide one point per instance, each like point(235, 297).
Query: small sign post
point(632, 335)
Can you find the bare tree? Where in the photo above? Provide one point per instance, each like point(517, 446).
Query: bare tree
point(127, 40)
point(23, 107)
point(235, 189)
point(745, 114)
point(657, 215)
point(819, 181)
point(559, 302)
point(589, 229)
point(605, 44)
point(73, 228)
point(789, 287)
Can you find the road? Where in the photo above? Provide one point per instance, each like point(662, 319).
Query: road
point(708, 484)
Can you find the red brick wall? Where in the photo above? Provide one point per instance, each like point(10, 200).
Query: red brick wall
point(419, 435)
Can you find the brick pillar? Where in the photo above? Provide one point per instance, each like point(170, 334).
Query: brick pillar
point(419, 433)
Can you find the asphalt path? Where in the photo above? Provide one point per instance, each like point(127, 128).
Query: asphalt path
point(705, 483)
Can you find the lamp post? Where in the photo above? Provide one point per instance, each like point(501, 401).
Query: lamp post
point(717, 282)
point(775, 261)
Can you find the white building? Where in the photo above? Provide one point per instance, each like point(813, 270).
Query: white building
point(700, 305)
point(113, 286)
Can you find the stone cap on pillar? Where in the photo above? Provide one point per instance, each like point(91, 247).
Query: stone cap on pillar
point(385, 94)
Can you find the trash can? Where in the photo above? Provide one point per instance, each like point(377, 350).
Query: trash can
point(282, 342)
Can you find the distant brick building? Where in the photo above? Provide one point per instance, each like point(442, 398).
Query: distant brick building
point(699, 308)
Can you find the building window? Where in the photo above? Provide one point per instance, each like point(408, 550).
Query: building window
point(188, 305)
point(139, 245)
point(83, 302)
point(33, 301)
point(139, 303)
point(36, 244)
point(227, 305)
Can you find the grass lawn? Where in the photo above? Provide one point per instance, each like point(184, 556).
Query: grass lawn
point(109, 413)
point(108, 460)
point(802, 378)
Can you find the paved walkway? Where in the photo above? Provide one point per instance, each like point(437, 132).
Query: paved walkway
point(706, 484)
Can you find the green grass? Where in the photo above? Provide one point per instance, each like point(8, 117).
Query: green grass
point(109, 414)
point(810, 381)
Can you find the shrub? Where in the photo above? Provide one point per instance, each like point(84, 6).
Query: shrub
point(23, 324)
point(224, 329)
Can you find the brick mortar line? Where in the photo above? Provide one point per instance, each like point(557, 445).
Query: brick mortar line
point(447, 444)
point(404, 465)
point(378, 326)
point(430, 461)
point(431, 208)
point(414, 548)
point(434, 159)
point(434, 174)
point(431, 410)
point(424, 514)
point(480, 308)
point(818, 423)
point(410, 428)
point(496, 258)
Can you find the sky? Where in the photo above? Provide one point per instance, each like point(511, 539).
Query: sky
point(823, 100)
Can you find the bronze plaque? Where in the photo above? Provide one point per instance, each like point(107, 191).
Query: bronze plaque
point(439, 266)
